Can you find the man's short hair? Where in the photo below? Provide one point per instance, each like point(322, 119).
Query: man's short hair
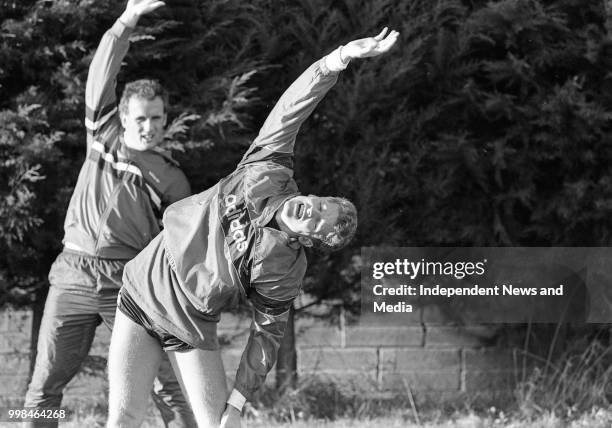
point(147, 89)
point(344, 229)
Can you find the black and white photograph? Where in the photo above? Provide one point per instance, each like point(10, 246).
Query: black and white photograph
point(307, 213)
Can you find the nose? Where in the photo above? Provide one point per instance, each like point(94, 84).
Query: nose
point(312, 211)
point(146, 125)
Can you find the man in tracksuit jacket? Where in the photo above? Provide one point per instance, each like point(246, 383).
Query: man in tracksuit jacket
point(244, 237)
point(122, 189)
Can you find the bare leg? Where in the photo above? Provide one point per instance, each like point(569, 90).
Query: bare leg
point(202, 377)
point(167, 393)
point(133, 361)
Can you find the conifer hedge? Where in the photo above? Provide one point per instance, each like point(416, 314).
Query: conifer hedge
point(489, 124)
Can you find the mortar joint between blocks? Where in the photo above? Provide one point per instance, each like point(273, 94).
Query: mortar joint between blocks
point(342, 320)
point(379, 367)
point(462, 370)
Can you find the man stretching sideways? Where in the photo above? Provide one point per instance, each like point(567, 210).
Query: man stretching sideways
point(243, 237)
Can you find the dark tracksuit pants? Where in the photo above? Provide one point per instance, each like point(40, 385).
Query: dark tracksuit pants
point(72, 313)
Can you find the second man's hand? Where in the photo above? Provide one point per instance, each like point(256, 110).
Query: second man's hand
point(369, 46)
point(136, 8)
point(230, 418)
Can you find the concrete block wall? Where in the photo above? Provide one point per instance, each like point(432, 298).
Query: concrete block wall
point(419, 358)
point(428, 358)
point(15, 327)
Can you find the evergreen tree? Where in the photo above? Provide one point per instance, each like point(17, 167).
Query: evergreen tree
point(488, 125)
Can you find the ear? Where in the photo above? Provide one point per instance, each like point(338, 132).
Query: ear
point(123, 119)
point(165, 119)
point(306, 242)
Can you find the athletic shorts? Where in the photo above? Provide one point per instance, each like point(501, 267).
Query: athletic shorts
point(130, 309)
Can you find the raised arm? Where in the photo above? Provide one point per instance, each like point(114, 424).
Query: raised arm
point(278, 133)
point(100, 98)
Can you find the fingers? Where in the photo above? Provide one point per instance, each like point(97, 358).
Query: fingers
point(145, 6)
point(388, 42)
point(154, 5)
point(381, 35)
point(371, 46)
point(146, 3)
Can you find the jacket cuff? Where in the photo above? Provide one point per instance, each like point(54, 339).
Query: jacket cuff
point(236, 399)
point(333, 61)
point(120, 30)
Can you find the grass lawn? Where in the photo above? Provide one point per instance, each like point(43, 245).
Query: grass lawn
point(597, 418)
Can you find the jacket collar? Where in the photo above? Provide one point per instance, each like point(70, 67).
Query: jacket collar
point(130, 154)
point(272, 206)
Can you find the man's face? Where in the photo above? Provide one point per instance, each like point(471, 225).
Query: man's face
point(144, 123)
point(310, 216)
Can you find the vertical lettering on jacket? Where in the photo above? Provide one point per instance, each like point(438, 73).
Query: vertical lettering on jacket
point(238, 232)
point(238, 218)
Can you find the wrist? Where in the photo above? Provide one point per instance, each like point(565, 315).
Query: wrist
point(230, 408)
point(129, 19)
point(236, 401)
point(344, 56)
point(334, 60)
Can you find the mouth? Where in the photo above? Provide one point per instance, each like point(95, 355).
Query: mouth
point(300, 210)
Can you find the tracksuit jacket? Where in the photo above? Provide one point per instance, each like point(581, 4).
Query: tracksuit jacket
point(120, 194)
point(217, 245)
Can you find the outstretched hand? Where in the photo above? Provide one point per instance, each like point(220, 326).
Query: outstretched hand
point(370, 46)
point(136, 8)
point(230, 418)
point(142, 7)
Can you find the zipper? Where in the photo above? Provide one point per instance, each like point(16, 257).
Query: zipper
point(105, 214)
